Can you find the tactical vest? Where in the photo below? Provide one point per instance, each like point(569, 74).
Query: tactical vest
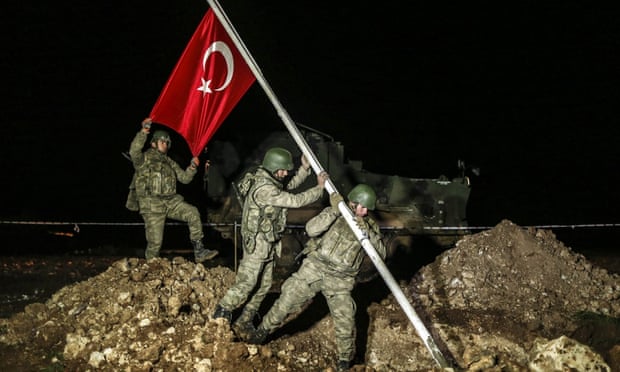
point(155, 177)
point(258, 218)
point(339, 249)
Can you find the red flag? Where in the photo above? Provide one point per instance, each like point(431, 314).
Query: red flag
point(209, 79)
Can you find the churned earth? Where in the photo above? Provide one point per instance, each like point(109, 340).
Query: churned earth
point(505, 299)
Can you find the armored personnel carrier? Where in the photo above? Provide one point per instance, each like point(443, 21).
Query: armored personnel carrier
point(406, 207)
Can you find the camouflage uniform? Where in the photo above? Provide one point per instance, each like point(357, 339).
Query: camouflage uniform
point(331, 267)
point(155, 181)
point(263, 221)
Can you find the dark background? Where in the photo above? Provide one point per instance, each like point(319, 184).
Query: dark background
point(528, 92)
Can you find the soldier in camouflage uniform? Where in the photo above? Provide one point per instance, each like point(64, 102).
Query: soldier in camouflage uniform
point(154, 182)
point(334, 256)
point(263, 221)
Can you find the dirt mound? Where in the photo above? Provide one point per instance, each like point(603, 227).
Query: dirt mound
point(507, 299)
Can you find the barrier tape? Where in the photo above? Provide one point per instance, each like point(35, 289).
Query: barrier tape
point(435, 228)
point(572, 226)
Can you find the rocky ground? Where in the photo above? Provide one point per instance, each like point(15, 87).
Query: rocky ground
point(506, 299)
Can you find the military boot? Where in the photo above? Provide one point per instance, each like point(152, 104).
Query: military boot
point(342, 366)
point(202, 254)
point(244, 325)
point(221, 312)
point(258, 336)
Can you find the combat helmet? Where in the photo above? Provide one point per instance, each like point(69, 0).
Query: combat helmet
point(278, 158)
point(364, 195)
point(161, 135)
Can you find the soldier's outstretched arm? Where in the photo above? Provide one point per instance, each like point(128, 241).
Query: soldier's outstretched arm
point(321, 222)
point(135, 148)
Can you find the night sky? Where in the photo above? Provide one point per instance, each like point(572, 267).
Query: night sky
point(527, 92)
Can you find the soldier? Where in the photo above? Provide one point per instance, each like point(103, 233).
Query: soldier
point(155, 181)
point(263, 221)
point(334, 256)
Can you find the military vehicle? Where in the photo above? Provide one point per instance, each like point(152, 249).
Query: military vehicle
point(406, 207)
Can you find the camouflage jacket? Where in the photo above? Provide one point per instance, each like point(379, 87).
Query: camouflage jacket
point(338, 248)
point(156, 173)
point(266, 204)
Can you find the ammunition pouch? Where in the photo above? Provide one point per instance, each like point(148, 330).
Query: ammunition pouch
point(266, 227)
point(266, 221)
point(132, 197)
point(132, 201)
point(249, 244)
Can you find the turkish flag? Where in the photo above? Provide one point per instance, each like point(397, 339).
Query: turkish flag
point(208, 81)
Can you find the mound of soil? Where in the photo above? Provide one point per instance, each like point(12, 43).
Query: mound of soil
point(506, 299)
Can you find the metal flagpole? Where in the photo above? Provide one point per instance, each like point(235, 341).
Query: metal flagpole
point(329, 186)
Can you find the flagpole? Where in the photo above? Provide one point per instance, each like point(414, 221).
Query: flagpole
point(329, 186)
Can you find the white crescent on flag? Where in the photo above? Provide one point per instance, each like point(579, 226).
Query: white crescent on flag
point(220, 47)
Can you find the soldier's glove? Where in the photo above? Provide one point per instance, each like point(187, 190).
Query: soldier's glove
point(335, 199)
point(146, 123)
point(305, 163)
point(362, 225)
point(195, 163)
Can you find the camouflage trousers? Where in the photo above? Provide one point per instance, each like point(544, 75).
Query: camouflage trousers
point(254, 276)
point(154, 212)
point(312, 277)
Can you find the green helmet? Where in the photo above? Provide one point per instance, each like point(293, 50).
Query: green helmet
point(161, 135)
point(364, 195)
point(278, 158)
